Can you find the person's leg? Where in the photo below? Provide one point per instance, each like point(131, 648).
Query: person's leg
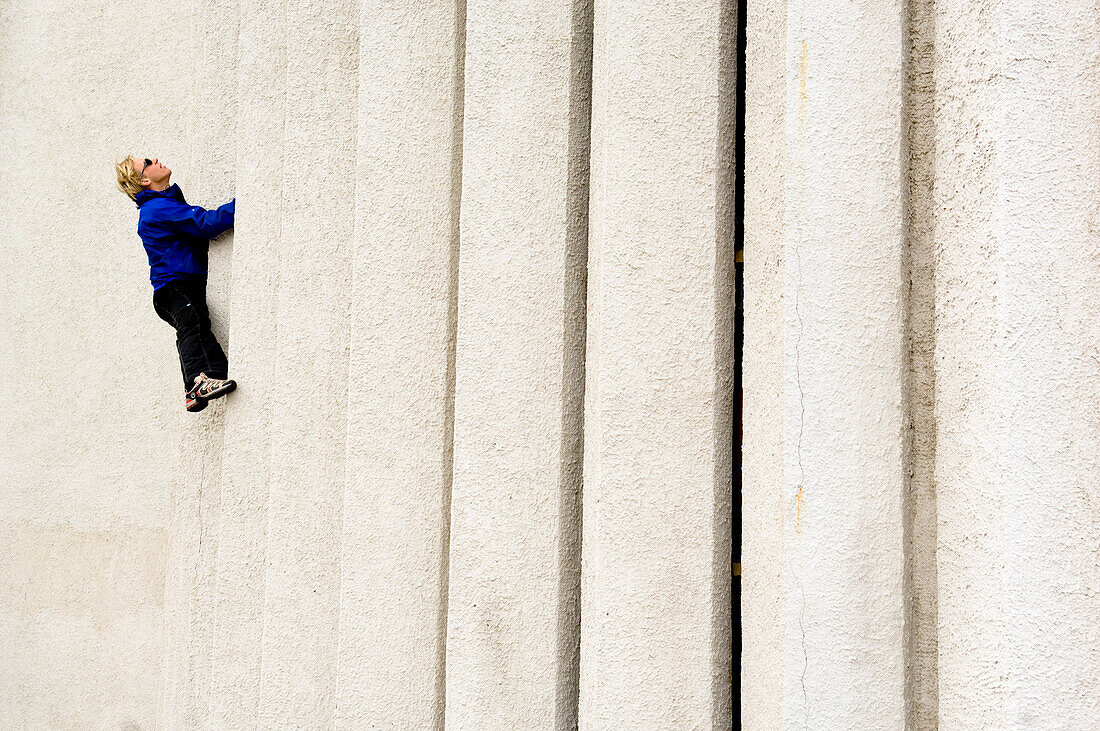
point(170, 306)
point(217, 365)
point(176, 304)
point(183, 373)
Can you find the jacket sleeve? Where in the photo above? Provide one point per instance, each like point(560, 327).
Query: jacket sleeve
point(197, 221)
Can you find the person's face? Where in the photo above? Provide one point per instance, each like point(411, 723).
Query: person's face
point(151, 172)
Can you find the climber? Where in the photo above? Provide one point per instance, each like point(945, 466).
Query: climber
point(176, 238)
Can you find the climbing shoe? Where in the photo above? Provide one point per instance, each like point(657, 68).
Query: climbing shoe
point(192, 403)
point(207, 388)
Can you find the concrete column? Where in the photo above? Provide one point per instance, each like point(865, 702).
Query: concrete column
point(970, 440)
point(763, 501)
point(1051, 228)
point(246, 448)
point(655, 635)
point(207, 178)
point(189, 588)
point(401, 373)
point(1018, 185)
point(824, 336)
point(512, 628)
point(210, 177)
point(309, 419)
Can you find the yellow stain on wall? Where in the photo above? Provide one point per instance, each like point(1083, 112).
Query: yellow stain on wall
point(799, 503)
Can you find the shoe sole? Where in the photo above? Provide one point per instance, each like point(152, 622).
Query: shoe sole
point(199, 405)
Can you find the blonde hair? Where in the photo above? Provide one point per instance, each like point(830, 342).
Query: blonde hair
point(129, 181)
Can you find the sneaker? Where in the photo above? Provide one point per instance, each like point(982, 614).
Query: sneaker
point(207, 388)
point(193, 403)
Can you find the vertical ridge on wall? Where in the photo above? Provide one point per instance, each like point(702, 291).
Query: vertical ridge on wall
point(189, 580)
point(845, 399)
point(655, 637)
point(920, 494)
point(722, 626)
point(1018, 321)
point(400, 384)
point(253, 332)
point(309, 417)
point(762, 703)
point(452, 325)
point(1049, 212)
point(208, 180)
point(970, 447)
point(574, 331)
point(511, 624)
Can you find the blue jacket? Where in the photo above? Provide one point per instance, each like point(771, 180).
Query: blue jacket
point(176, 235)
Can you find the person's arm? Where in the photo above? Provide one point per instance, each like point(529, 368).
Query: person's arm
point(197, 221)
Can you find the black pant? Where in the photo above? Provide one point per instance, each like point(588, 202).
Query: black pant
point(182, 304)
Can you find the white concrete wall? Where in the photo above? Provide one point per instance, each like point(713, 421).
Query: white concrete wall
point(90, 400)
point(655, 644)
point(763, 510)
point(309, 412)
point(394, 554)
point(1050, 168)
point(236, 652)
point(443, 370)
point(190, 590)
point(970, 442)
point(830, 334)
point(512, 629)
point(1018, 154)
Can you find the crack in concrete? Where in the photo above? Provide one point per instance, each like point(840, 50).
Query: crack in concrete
point(799, 500)
point(799, 495)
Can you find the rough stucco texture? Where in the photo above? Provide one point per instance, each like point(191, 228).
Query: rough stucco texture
point(969, 458)
point(996, 453)
point(1018, 154)
point(844, 367)
point(381, 527)
point(833, 327)
point(477, 472)
point(238, 589)
point(1050, 173)
point(762, 508)
point(196, 479)
point(511, 618)
point(90, 407)
point(401, 369)
point(657, 413)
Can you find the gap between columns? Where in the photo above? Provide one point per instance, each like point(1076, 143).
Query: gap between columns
point(452, 343)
